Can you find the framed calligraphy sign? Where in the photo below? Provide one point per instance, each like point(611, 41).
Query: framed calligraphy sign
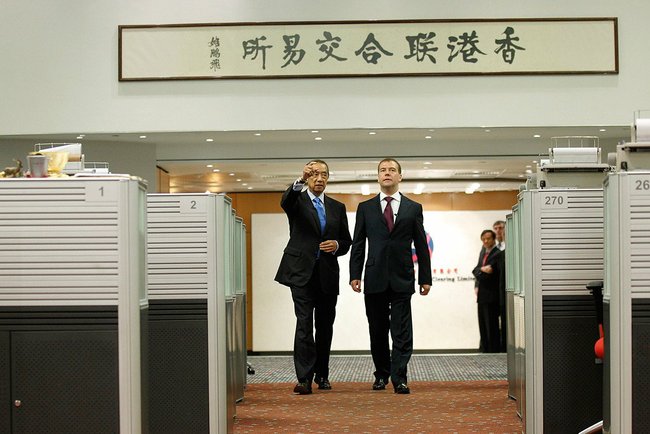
point(368, 49)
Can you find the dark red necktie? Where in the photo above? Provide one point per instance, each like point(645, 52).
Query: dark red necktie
point(388, 214)
point(485, 257)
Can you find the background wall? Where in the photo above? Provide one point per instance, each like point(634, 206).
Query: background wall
point(274, 303)
point(59, 72)
point(445, 319)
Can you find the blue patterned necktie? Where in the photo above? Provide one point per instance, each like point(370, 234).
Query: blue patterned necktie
point(321, 213)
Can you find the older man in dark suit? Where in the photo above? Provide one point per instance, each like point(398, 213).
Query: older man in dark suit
point(319, 234)
point(390, 222)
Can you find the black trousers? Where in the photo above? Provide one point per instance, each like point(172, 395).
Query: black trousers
point(313, 309)
point(390, 311)
point(488, 327)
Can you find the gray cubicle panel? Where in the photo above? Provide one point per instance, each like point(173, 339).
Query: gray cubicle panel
point(73, 305)
point(562, 242)
point(510, 308)
point(626, 299)
point(188, 252)
point(239, 239)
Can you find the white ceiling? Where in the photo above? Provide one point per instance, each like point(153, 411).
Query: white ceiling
point(440, 160)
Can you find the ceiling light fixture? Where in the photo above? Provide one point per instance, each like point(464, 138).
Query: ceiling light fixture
point(210, 165)
point(231, 174)
point(209, 140)
point(537, 136)
point(602, 130)
point(318, 138)
point(372, 133)
point(216, 170)
point(238, 180)
point(314, 131)
point(143, 137)
point(257, 134)
point(249, 188)
point(427, 137)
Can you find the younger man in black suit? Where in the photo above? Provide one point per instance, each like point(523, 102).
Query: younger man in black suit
point(319, 233)
point(390, 222)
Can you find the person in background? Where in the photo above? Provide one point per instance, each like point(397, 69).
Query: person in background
point(499, 227)
point(319, 234)
point(390, 222)
point(487, 275)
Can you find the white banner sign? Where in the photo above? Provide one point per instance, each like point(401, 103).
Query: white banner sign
point(368, 48)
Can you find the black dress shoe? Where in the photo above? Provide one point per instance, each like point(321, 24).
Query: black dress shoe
point(379, 384)
point(402, 389)
point(323, 383)
point(303, 388)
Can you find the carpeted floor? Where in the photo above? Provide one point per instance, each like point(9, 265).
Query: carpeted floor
point(449, 394)
point(432, 407)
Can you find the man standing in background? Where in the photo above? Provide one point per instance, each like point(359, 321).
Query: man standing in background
point(488, 277)
point(319, 234)
point(499, 228)
point(390, 222)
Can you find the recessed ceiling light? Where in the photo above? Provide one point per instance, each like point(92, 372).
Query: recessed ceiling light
point(534, 161)
point(210, 165)
point(602, 130)
point(427, 162)
point(528, 166)
point(427, 137)
point(372, 133)
point(238, 180)
point(209, 140)
point(258, 134)
point(250, 188)
point(80, 137)
point(244, 184)
point(231, 174)
point(318, 138)
point(143, 137)
point(537, 136)
point(216, 170)
point(314, 131)
point(487, 130)
point(476, 175)
point(529, 171)
point(521, 176)
point(432, 130)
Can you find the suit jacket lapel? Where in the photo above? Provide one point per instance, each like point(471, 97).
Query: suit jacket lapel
point(404, 206)
point(377, 206)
